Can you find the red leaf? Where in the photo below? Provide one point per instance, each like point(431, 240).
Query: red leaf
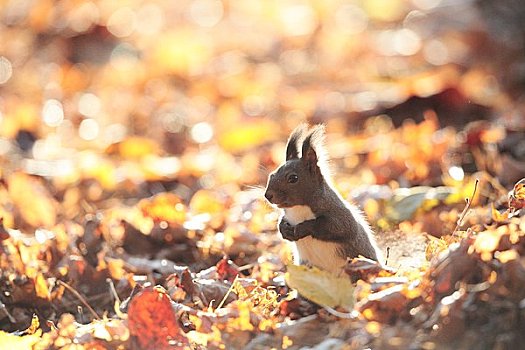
point(227, 270)
point(152, 321)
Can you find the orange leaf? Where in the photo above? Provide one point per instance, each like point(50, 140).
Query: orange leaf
point(34, 202)
point(152, 320)
point(205, 201)
point(164, 207)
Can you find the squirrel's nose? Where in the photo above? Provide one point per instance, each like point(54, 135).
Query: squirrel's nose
point(268, 195)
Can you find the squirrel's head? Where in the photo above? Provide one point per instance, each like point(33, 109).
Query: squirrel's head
point(301, 175)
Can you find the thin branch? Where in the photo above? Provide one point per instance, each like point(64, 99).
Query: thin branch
point(467, 207)
point(113, 290)
point(79, 297)
point(246, 267)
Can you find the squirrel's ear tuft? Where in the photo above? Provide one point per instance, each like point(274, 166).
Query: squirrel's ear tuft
point(292, 150)
point(313, 152)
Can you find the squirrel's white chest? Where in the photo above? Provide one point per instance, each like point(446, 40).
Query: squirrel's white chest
point(311, 251)
point(298, 214)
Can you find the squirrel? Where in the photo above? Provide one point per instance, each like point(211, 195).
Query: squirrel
point(325, 228)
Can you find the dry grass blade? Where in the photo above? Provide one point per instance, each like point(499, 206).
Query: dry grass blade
point(468, 202)
point(80, 298)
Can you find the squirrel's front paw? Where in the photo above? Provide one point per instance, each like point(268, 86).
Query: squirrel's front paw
point(287, 230)
point(303, 229)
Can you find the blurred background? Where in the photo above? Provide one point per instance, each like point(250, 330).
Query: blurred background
point(133, 131)
point(140, 90)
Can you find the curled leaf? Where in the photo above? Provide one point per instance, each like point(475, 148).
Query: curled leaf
point(517, 196)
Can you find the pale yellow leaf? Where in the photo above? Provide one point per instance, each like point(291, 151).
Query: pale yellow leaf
point(10, 341)
point(321, 287)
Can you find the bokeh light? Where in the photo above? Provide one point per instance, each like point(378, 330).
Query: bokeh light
point(150, 19)
point(6, 70)
point(298, 19)
point(351, 19)
point(206, 13)
point(84, 17)
point(88, 129)
point(122, 22)
point(53, 113)
point(202, 132)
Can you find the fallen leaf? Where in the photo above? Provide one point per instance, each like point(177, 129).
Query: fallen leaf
point(321, 287)
point(517, 196)
point(152, 320)
point(134, 147)
point(33, 201)
point(164, 207)
point(227, 270)
point(497, 216)
point(407, 200)
point(10, 341)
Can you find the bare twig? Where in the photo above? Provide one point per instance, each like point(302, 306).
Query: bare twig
point(113, 290)
point(465, 210)
point(79, 297)
point(80, 311)
point(4, 309)
point(227, 293)
point(246, 267)
point(347, 315)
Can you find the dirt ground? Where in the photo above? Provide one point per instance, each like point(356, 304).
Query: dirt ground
point(405, 250)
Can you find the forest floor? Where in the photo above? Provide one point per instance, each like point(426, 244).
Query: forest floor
point(135, 137)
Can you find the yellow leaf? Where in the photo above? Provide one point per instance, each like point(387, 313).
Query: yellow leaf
point(205, 201)
point(434, 247)
point(248, 135)
point(42, 291)
point(180, 52)
point(499, 217)
point(243, 321)
point(10, 341)
point(321, 287)
point(134, 147)
point(103, 171)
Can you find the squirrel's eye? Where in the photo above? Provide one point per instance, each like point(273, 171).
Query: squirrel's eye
point(293, 178)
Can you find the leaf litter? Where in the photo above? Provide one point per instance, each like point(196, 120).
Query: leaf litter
point(126, 215)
